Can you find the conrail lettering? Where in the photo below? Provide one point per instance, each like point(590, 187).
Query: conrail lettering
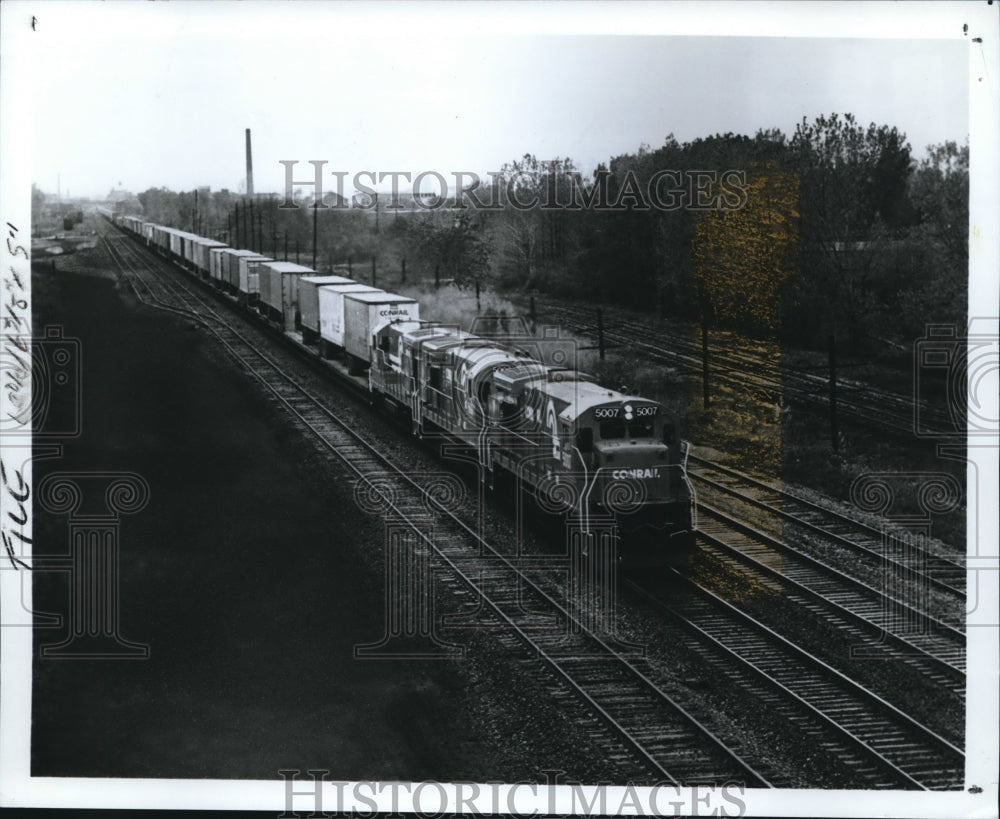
point(622, 474)
point(394, 312)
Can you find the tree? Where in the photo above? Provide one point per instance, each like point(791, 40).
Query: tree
point(37, 202)
point(937, 290)
point(453, 246)
point(853, 194)
point(939, 191)
point(745, 257)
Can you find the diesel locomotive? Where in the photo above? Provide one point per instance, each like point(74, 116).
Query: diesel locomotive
point(600, 457)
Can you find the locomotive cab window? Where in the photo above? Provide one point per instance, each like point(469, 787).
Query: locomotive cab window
point(642, 428)
point(585, 440)
point(618, 429)
point(613, 430)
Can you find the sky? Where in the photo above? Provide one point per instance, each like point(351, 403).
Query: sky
point(159, 94)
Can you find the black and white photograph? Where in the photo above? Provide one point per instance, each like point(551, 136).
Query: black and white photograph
point(500, 407)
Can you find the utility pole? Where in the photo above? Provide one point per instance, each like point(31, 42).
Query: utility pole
point(704, 363)
point(315, 229)
point(706, 314)
point(834, 435)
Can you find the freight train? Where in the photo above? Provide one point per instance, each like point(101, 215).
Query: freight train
point(608, 461)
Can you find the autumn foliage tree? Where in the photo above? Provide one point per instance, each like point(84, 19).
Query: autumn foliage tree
point(743, 258)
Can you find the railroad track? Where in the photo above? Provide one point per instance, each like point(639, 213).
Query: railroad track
point(865, 733)
point(639, 718)
point(889, 621)
point(864, 613)
point(886, 617)
point(771, 382)
point(939, 570)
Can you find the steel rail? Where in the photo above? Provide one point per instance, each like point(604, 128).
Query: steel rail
point(929, 557)
point(907, 645)
point(553, 662)
point(931, 739)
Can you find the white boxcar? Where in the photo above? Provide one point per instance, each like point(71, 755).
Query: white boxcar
point(247, 274)
point(174, 238)
point(230, 267)
point(190, 247)
point(309, 301)
point(161, 238)
point(331, 313)
point(365, 314)
point(279, 289)
point(215, 263)
point(202, 247)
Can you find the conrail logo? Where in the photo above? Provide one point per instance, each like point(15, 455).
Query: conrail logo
point(394, 312)
point(622, 474)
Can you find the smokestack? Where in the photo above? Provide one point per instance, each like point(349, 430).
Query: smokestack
point(249, 167)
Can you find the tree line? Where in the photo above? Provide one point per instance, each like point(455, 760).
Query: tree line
point(833, 229)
